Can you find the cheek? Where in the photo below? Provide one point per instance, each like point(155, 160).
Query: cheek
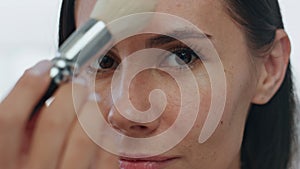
point(241, 81)
point(182, 96)
point(103, 88)
point(240, 78)
point(185, 90)
point(181, 104)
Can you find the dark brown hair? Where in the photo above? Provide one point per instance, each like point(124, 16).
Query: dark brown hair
point(269, 132)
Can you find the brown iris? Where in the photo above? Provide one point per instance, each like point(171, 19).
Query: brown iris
point(106, 62)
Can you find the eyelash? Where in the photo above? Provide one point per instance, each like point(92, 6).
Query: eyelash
point(196, 52)
point(179, 47)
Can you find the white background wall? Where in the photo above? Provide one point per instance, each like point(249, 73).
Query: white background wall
point(29, 32)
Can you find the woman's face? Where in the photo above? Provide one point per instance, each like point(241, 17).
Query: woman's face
point(222, 149)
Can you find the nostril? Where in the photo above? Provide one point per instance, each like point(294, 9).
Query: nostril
point(131, 128)
point(139, 127)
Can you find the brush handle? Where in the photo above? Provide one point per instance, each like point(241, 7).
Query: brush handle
point(50, 91)
point(61, 72)
point(81, 49)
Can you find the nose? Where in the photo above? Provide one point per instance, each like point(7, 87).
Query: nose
point(131, 128)
point(139, 90)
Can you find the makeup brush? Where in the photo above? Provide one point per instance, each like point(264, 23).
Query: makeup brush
point(92, 38)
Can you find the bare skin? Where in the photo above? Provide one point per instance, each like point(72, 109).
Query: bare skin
point(58, 141)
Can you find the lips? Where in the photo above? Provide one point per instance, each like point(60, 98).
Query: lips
point(146, 163)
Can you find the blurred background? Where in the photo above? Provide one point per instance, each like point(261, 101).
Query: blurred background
point(29, 30)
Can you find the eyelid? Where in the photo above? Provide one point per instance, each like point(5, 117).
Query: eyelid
point(196, 49)
point(179, 67)
point(95, 67)
point(113, 55)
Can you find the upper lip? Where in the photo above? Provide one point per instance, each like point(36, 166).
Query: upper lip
point(150, 159)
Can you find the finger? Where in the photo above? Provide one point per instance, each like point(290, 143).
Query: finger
point(15, 109)
point(81, 150)
point(53, 126)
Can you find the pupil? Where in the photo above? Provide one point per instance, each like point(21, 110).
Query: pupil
point(106, 62)
point(184, 57)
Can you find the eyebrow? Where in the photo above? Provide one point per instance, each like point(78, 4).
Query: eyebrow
point(175, 35)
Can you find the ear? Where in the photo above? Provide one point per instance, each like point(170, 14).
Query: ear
point(273, 69)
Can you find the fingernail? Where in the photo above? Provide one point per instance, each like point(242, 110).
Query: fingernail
point(41, 68)
point(95, 97)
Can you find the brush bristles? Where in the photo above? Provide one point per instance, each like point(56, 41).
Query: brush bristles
point(109, 10)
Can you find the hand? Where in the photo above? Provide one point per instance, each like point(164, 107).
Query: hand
point(52, 140)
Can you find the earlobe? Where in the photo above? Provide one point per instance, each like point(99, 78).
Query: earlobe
point(273, 69)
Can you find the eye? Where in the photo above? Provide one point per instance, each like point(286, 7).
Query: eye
point(105, 65)
point(107, 62)
point(180, 57)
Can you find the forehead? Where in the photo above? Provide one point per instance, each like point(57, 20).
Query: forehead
point(199, 12)
point(209, 16)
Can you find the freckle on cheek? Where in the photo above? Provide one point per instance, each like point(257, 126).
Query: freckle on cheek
point(178, 5)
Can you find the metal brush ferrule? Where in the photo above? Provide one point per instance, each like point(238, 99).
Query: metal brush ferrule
point(81, 48)
point(62, 70)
